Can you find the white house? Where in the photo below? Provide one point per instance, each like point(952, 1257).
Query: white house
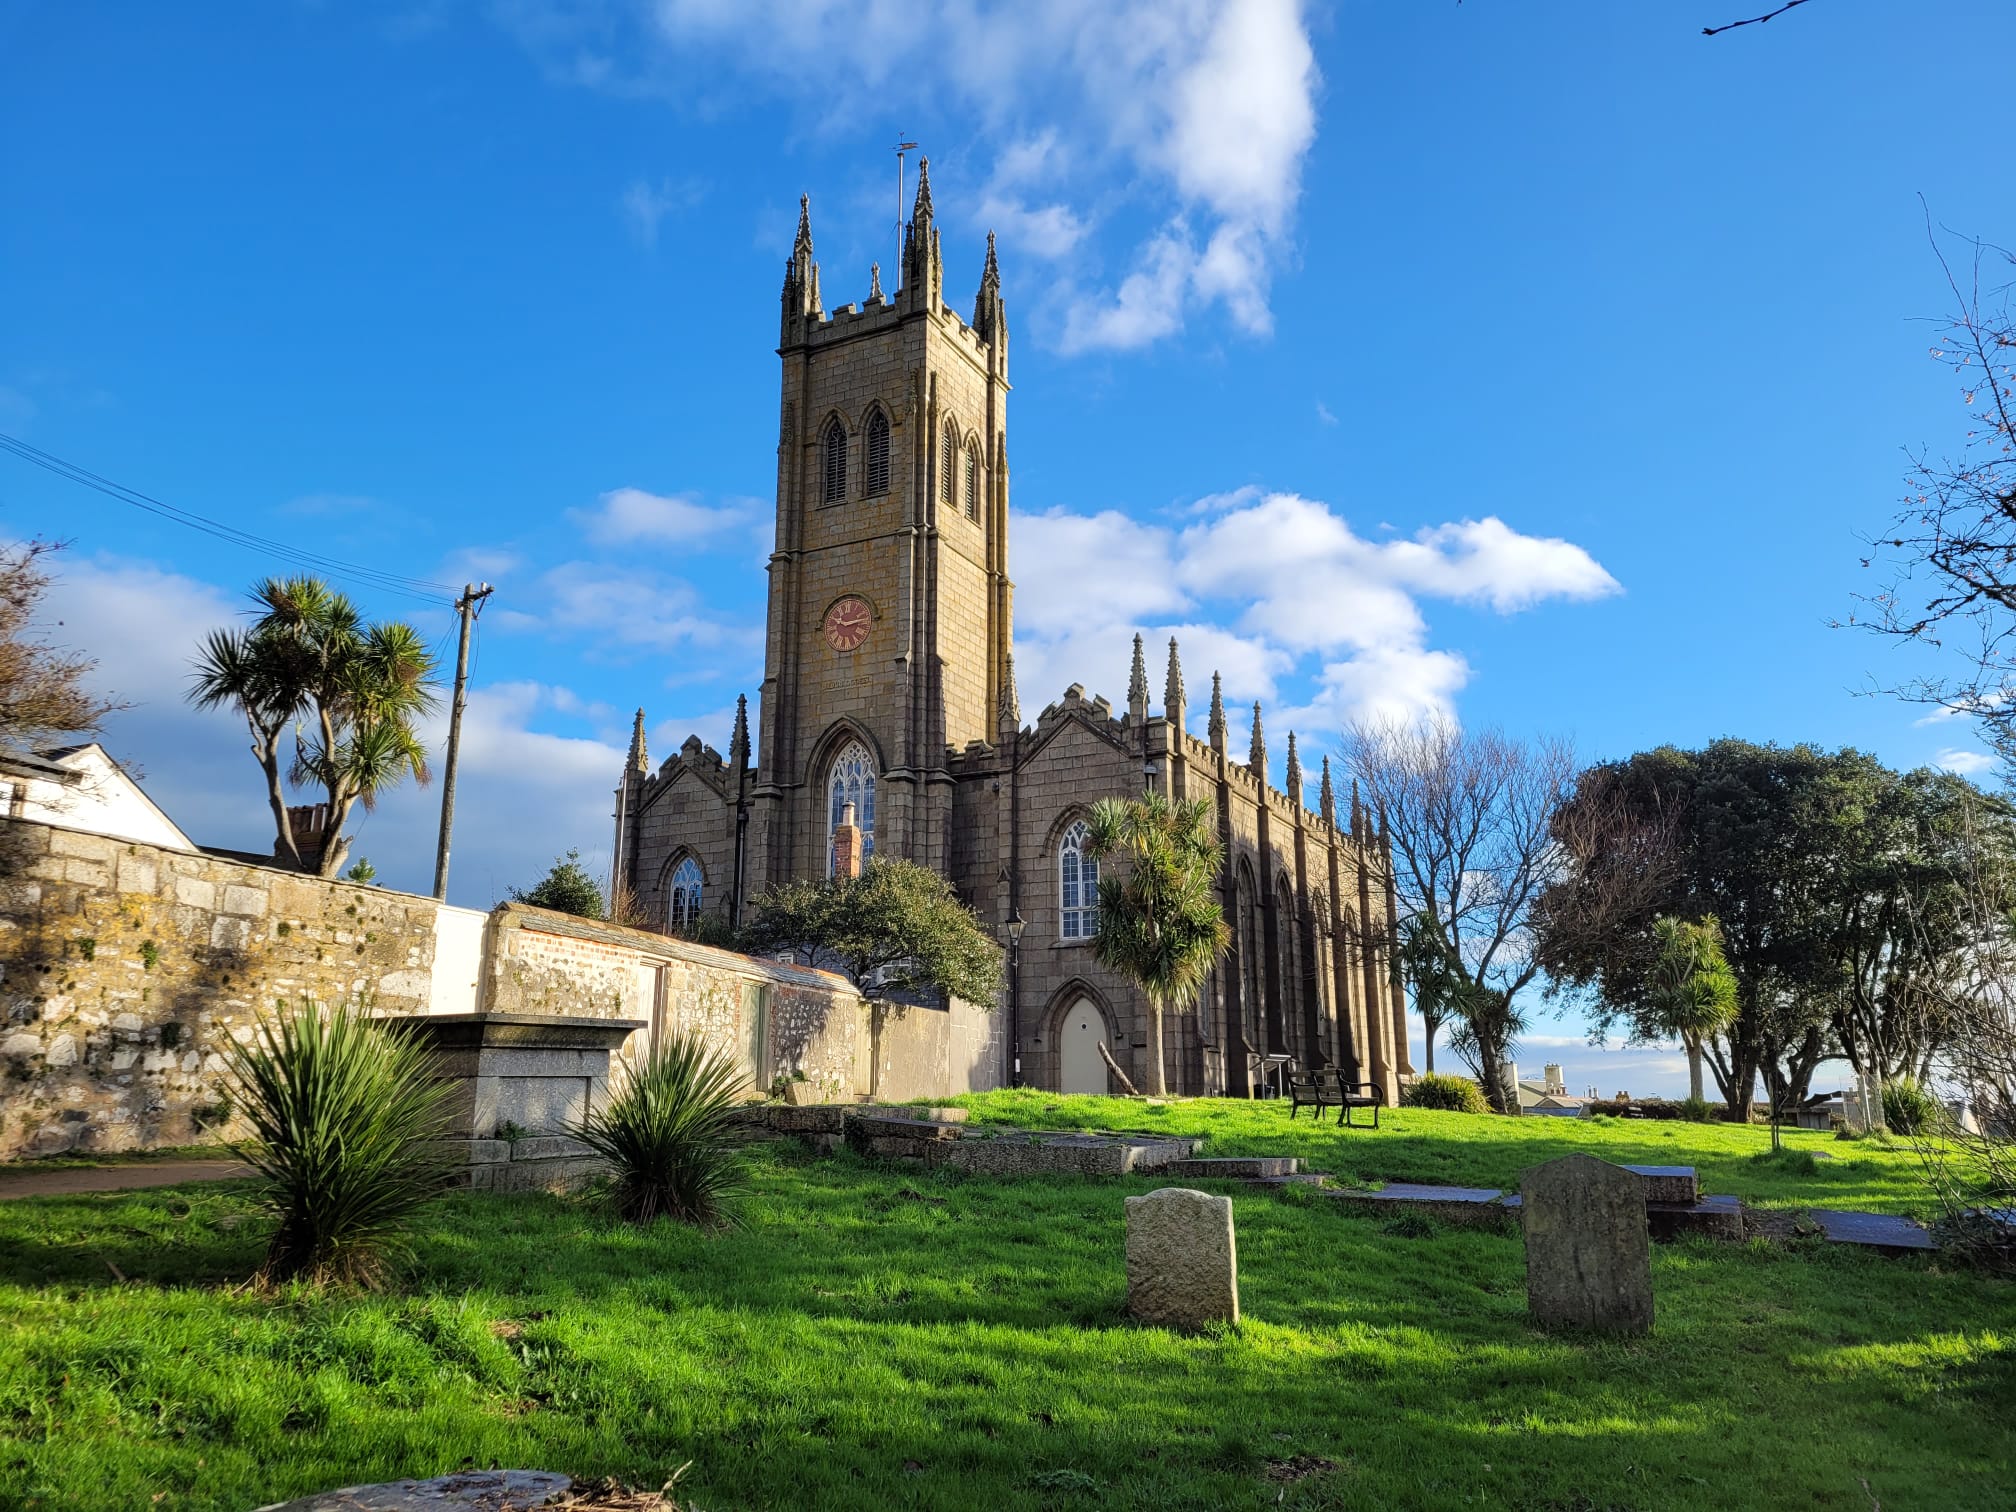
point(80, 787)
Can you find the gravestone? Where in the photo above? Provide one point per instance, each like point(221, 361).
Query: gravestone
point(1182, 1265)
point(1588, 1252)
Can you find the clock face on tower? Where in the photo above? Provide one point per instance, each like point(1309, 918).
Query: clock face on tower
point(847, 623)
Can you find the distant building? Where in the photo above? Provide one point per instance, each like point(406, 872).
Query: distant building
point(81, 787)
point(1549, 1096)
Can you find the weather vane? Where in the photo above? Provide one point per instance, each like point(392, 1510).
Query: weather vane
point(901, 148)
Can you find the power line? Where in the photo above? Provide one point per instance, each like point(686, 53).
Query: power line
point(388, 582)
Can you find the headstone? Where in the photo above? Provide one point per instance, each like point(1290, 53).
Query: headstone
point(1182, 1265)
point(1588, 1251)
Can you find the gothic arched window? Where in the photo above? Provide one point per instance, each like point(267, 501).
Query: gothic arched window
point(852, 781)
point(948, 464)
point(1077, 885)
point(971, 483)
point(683, 906)
point(878, 455)
point(833, 448)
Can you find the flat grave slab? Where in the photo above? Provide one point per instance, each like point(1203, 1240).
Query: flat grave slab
point(1236, 1167)
point(1413, 1191)
point(1882, 1231)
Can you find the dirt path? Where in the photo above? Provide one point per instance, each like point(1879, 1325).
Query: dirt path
point(68, 1181)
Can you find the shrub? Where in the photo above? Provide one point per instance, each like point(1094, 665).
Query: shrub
point(343, 1109)
point(1696, 1109)
point(669, 1136)
point(1908, 1108)
point(1452, 1094)
point(1640, 1107)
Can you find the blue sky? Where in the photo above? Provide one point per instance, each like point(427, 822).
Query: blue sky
point(1539, 363)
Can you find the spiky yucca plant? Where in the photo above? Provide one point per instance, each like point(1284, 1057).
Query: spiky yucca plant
point(343, 1110)
point(669, 1137)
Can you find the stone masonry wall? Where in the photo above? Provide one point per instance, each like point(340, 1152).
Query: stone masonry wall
point(126, 969)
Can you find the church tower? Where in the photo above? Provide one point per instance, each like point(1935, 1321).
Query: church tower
point(889, 622)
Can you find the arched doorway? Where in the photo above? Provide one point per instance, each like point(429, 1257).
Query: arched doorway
point(1080, 1033)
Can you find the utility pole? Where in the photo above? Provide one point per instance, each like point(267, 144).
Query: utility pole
point(468, 605)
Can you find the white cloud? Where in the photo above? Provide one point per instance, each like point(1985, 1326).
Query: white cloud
point(1966, 763)
point(626, 515)
point(1259, 582)
point(646, 202)
point(525, 794)
point(1323, 413)
point(636, 607)
point(1194, 116)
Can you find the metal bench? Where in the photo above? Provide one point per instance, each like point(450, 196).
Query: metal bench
point(1328, 1089)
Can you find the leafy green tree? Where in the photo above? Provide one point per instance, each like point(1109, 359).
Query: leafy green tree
point(362, 872)
point(1160, 922)
point(1840, 888)
point(352, 692)
point(897, 928)
point(1691, 992)
point(567, 889)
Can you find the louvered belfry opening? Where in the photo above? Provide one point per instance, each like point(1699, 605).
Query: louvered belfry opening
point(878, 455)
point(835, 447)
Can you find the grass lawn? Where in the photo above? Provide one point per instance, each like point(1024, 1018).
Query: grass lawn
point(1462, 1149)
point(877, 1338)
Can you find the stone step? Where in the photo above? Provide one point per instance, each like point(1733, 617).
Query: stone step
point(906, 1110)
point(1238, 1166)
point(888, 1126)
point(1676, 1184)
point(1710, 1218)
point(1293, 1178)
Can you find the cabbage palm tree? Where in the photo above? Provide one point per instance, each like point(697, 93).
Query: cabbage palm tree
point(257, 675)
point(311, 660)
point(1438, 985)
point(1159, 921)
point(1691, 992)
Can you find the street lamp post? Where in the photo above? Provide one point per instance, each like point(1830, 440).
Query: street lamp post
point(1015, 927)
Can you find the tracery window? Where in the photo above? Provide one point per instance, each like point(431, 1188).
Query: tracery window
point(683, 906)
point(833, 447)
point(852, 780)
point(948, 464)
point(1077, 885)
point(971, 483)
point(878, 454)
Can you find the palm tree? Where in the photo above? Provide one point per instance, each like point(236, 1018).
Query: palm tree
point(1691, 992)
point(371, 686)
point(262, 674)
point(1438, 985)
point(1159, 924)
point(310, 653)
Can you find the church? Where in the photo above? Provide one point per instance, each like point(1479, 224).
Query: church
point(889, 684)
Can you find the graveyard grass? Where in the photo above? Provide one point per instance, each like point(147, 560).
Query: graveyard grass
point(878, 1338)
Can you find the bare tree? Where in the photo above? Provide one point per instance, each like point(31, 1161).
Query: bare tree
point(42, 686)
point(1972, 1158)
point(1469, 816)
point(1955, 582)
point(1759, 20)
